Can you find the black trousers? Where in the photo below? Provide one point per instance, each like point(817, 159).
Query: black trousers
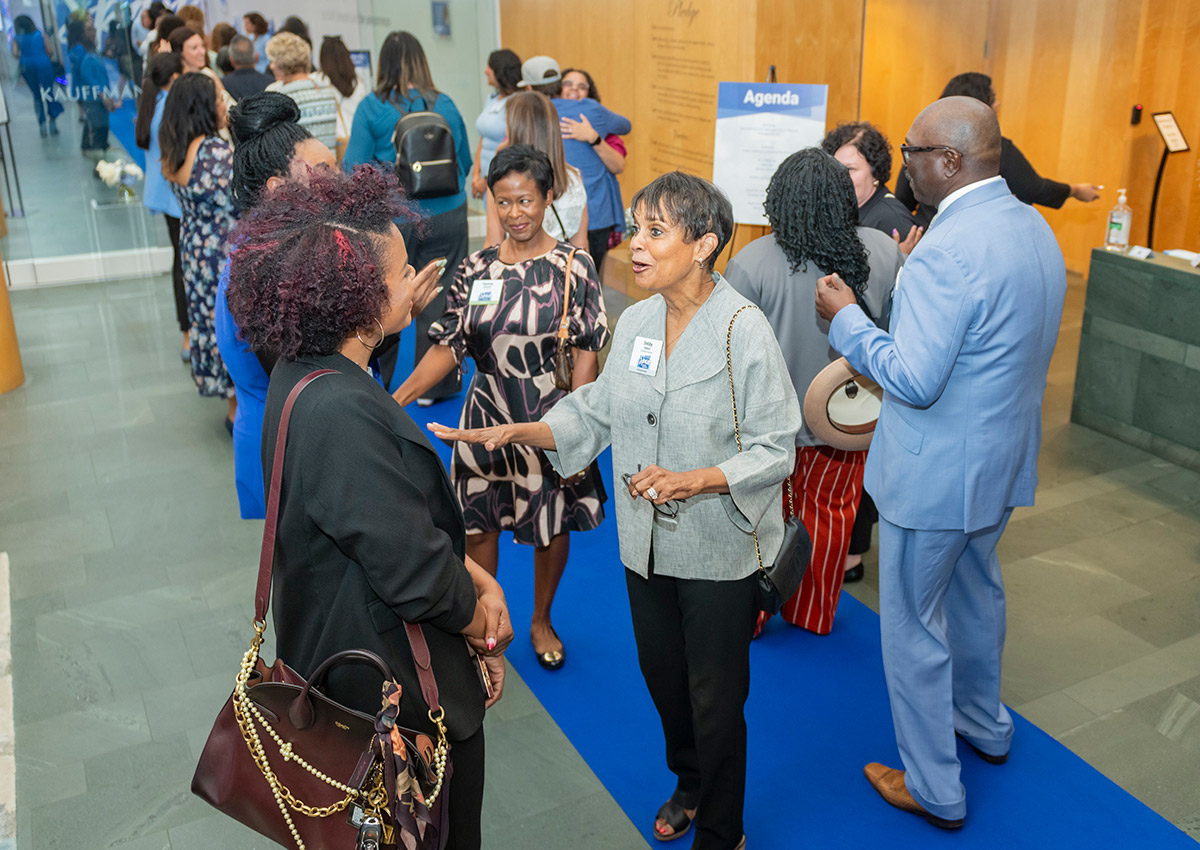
point(181, 313)
point(598, 247)
point(466, 793)
point(443, 235)
point(864, 521)
point(693, 642)
point(95, 126)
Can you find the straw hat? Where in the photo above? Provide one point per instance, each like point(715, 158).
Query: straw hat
point(842, 406)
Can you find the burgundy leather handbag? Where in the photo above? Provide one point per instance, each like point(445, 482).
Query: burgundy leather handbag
point(303, 770)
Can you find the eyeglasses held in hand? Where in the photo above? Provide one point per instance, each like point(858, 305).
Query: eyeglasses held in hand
point(669, 508)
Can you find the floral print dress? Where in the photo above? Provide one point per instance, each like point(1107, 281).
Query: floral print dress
point(512, 339)
point(208, 217)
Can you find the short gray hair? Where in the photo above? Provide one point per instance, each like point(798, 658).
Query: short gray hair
point(242, 52)
point(692, 203)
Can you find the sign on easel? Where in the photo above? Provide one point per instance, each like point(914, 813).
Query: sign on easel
point(758, 126)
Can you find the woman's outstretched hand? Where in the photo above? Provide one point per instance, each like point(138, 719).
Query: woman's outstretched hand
point(492, 438)
point(910, 241)
point(425, 286)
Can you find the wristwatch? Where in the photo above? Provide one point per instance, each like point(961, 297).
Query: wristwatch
point(599, 139)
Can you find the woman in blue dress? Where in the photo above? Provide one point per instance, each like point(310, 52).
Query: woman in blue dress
point(32, 52)
point(503, 72)
point(270, 147)
point(161, 72)
point(89, 78)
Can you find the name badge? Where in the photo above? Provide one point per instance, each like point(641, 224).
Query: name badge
point(644, 359)
point(486, 292)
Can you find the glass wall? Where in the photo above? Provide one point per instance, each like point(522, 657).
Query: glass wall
point(70, 75)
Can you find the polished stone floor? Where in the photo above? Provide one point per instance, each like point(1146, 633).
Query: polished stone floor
point(131, 577)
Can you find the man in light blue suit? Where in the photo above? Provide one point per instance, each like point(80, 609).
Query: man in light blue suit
point(974, 321)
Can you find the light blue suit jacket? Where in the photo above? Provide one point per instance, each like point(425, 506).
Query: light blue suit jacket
point(974, 323)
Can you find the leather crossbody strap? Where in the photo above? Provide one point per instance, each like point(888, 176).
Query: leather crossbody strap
point(562, 326)
point(266, 558)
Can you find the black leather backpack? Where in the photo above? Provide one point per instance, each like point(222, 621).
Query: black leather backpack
point(425, 159)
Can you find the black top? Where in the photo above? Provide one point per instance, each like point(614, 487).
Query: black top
point(246, 81)
point(370, 535)
point(883, 212)
point(1022, 179)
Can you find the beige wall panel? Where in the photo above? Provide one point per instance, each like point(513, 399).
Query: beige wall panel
point(816, 42)
point(1168, 81)
point(911, 48)
point(1065, 74)
point(659, 62)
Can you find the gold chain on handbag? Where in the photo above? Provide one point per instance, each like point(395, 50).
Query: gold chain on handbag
point(737, 431)
point(372, 800)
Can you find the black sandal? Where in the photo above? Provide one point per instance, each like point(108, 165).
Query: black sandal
point(676, 817)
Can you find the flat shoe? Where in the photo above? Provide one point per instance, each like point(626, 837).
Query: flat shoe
point(889, 783)
point(676, 817)
point(853, 574)
point(555, 658)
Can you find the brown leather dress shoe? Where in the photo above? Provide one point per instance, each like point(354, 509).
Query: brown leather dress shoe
point(889, 782)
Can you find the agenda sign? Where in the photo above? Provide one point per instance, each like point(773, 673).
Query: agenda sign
point(758, 126)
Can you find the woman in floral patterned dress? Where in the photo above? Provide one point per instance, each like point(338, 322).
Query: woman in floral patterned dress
point(504, 310)
point(199, 164)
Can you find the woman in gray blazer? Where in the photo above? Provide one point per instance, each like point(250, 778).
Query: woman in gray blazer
point(663, 404)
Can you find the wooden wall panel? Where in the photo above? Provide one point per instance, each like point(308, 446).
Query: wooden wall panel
point(1065, 75)
point(659, 62)
point(816, 42)
point(1168, 80)
point(911, 48)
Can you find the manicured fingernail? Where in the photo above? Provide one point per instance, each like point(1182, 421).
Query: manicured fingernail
point(438, 289)
point(491, 643)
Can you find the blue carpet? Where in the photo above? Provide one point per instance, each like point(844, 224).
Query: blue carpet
point(818, 711)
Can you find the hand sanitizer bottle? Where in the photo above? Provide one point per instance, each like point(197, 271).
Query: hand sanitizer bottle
point(1120, 219)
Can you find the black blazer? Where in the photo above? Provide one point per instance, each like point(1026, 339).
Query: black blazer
point(245, 82)
point(884, 213)
point(370, 536)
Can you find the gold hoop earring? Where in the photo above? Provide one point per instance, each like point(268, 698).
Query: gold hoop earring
point(378, 342)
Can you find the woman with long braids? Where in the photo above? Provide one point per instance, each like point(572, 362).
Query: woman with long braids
point(813, 212)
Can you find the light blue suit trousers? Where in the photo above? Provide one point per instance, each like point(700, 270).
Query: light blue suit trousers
point(941, 616)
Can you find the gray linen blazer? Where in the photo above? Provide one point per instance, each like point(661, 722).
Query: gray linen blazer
point(680, 419)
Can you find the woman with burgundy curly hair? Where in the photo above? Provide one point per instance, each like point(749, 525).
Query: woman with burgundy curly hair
point(370, 532)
